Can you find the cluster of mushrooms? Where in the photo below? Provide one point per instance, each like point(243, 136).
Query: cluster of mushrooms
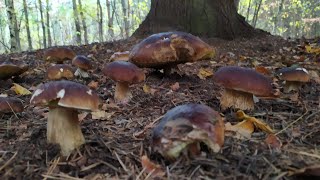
point(181, 129)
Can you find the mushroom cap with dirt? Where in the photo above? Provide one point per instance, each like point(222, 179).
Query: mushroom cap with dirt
point(120, 56)
point(184, 127)
point(167, 49)
point(123, 73)
point(240, 84)
point(293, 77)
point(60, 71)
point(64, 98)
point(58, 54)
point(10, 104)
point(8, 70)
point(83, 64)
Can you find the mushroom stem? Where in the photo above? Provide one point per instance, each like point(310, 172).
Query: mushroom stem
point(122, 93)
point(81, 73)
point(64, 129)
point(236, 99)
point(291, 86)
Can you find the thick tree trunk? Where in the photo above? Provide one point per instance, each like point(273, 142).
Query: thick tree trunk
point(125, 18)
point(48, 25)
point(84, 24)
point(100, 20)
point(43, 26)
point(13, 26)
point(26, 15)
point(210, 18)
point(110, 19)
point(76, 21)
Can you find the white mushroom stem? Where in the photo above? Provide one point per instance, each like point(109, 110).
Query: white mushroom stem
point(63, 128)
point(291, 86)
point(122, 93)
point(81, 73)
point(236, 99)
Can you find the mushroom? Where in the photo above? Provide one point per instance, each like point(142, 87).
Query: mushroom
point(240, 84)
point(64, 98)
point(8, 69)
point(83, 64)
point(10, 104)
point(293, 77)
point(120, 56)
point(166, 50)
point(185, 127)
point(124, 73)
point(60, 71)
point(58, 54)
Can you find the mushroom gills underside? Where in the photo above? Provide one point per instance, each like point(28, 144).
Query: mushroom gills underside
point(237, 99)
point(291, 86)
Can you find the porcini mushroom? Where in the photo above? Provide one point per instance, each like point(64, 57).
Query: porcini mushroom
point(293, 77)
point(64, 98)
point(10, 104)
point(184, 127)
point(58, 54)
point(60, 71)
point(9, 69)
point(240, 84)
point(120, 56)
point(166, 50)
point(123, 73)
point(83, 64)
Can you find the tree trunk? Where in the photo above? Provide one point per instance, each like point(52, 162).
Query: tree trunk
point(12, 26)
point(43, 26)
point(48, 25)
point(125, 18)
point(84, 24)
point(275, 27)
point(26, 15)
point(256, 13)
point(76, 21)
point(100, 20)
point(210, 18)
point(110, 19)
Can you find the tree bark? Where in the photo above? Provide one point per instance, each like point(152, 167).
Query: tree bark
point(48, 25)
point(275, 27)
point(125, 18)
point(110, 19)
point(13, 26)
point(210, 18)
point(26, 15)
point(100, 20)
point(84, 24)
point(43, 26)
point(76, 21)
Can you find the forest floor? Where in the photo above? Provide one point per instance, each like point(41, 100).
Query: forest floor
point(112, 151)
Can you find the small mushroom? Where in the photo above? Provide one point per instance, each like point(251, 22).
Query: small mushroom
point(64, 98)
point(240, 84)
point(123, 73)
point(294, 78)
point(10, 104)
point(60, 71)
point(8, 70)
point(166, 50)
point(83, 64)
point(120, 56)
point(58, 54)
point(185, 127)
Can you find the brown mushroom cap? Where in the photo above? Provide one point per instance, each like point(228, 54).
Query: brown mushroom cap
point(58, 54)
point(120, 56)
point(245, 80)
point(82, 62)
point(9, 104)
point(60, 71)
point(169, 48)
point(185, 124)
point(7, 70)
point(123, 71)
point(294, 74)
point(66, 94)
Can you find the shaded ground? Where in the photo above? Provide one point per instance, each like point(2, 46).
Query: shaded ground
point(112, 150)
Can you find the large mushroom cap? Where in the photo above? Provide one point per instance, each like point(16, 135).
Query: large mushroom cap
point(245, 80)
point(82, 62)
point(8, 69)
point(187, 124)
point(294, 74)
point(9, 104)
point(66, 94)
point(123, 71)
point(60, 71)
point(169, 48)
point(58, 54)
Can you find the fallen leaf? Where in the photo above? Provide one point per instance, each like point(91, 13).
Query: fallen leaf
point(151, 167)
point(20, 90)
point(102, 115)
point(82, 116)
point(243, 58)
point(204, 73)
point(257, 122)
point(273, 141)
point(243, 129)
point(93, 85)
point(147, 89)
point(175, 86)
point(262, 70)
point(315, 76)
point(294, 97)
point(313, 170)
point(312, 49)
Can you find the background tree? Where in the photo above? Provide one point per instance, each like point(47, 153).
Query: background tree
point(26, 16)
point(48, 24)
point(43, 25)
point(13, 27)
point(76, 21)
point(84, 24)
point(100, 20)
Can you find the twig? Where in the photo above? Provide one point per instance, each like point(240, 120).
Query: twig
point(121, 163)
point(90, 166)
point(52, 167)
point(298, 119)
point(304, 153)
point(9, 161)
point(140, 174)
point(149, 126)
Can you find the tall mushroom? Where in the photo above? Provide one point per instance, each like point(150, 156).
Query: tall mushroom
point(123, 73)
point(58, 54)
point(184, 127)
point(83, 64)
point(166, 50)
point(64, 98)
point(240, 84)
point(60, 71)
point(294, 78)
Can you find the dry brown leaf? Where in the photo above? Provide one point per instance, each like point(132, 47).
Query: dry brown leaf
point(147, 89)
point(258, 123)
point(308, 172)
point(294, 97)
point(93, 85)
point(82, 116)
point(175, 86)
point(262, 70)
point(204, 73)
point(243, 130)
point(243, 58)
point(151, 167)
point(102, 115)
point(20, 90)
point(273, 141)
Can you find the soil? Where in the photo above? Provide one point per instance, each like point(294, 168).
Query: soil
point(113, 152)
